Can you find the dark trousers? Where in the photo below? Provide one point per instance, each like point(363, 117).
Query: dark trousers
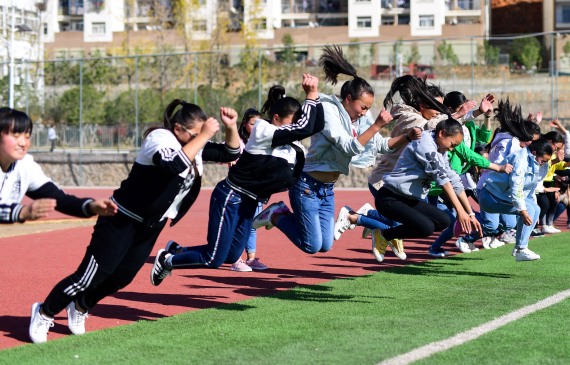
point(418, 219)
point(118, 249)
point(547, 203)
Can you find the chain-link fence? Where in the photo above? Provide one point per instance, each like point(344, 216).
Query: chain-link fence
point(108, 102)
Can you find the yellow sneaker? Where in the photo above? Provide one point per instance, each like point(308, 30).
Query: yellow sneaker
point(379, 245)
point(397, 245)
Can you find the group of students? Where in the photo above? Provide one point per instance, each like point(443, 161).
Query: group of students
point(420, 184)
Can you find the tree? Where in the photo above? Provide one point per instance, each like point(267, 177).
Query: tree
point(249, 57)
point(288, 57)
point(527, 52)
point(446, 54)
point(414, 56)
point(566, 49)
point(67, 107)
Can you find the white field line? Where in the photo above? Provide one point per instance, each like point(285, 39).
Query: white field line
point(463, 337)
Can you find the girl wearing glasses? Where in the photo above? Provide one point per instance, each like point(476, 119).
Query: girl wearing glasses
point(163, 183)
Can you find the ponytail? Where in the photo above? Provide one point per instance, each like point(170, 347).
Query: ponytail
point(334, 63)
point(186, 116)
point(275, 93)
point(414, 92)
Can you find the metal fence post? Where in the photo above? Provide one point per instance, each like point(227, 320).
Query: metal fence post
point(136, 101)
point(259, 79)
point(195, 78)
point(551, 70)
point(472, 69)
point(80, 175)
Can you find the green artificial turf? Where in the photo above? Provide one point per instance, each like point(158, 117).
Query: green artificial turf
point(361, 320)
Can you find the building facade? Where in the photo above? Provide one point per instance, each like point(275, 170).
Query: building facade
point(78, 26)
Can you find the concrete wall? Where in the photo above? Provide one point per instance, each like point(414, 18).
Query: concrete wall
point(67, 169)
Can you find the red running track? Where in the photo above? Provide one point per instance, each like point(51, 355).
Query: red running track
point(32, 264)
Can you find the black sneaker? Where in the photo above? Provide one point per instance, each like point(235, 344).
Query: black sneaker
point(159, 270)
point(536, 233)
point(172, 247)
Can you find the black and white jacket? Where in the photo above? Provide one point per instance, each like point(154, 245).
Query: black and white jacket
point(26, 178)
point(164, 182)
point(273, 157)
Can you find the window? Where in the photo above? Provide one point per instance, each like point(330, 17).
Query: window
point(260, 24)
point(563, 15)
point(200, 26)
point(45, 29)
point(403, 19)
point(426, 21)
point(364, 22)
point(98, 28)
point(388, 20)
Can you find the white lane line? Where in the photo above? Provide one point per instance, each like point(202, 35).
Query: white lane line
point(463, 337)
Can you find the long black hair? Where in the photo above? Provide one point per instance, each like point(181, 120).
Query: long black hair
point(415, 92)
point(511, 121)
point(186, 116)
point(449, 126)
point(454, 99)
point(275, 93)
point(12, 120)
point(541, 147)
point(334, 63)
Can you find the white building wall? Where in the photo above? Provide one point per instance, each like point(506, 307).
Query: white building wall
point(265, 10)
point(111, 14)
point(360, 12)
point(426, 17)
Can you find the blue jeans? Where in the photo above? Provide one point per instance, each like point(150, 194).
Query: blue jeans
point(251, 244)
point(311, 227)
point(447, 233)
point(373, 219)
point(489, 203)
point(494, 224)
point(229, 226)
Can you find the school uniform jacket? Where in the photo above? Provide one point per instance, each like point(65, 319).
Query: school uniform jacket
point(273, 158)
point(162, 171)
point(26, 178)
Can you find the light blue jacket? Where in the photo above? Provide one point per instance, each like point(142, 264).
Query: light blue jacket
point(335, 147)
point(520, 184)
point(419, 164)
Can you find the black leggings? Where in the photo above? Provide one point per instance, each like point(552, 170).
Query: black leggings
point(418, 219)
point(118, 249)
point(547, 203)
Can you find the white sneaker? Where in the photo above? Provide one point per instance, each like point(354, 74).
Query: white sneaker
point(514, 253)
point(462, 245)
point(548, 229)
point(362, 211)
point(507, 237)
point(486, 240)
point(495, 243)
point(39, 325)
point(342, 223)
point(526, 255)
point(75, 319)
point(472, 247)
point(263, 219)
point(556, 230)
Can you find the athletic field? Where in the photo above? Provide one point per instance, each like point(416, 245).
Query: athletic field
point(341, 307)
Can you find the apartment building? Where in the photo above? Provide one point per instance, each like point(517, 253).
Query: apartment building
point(82, 25)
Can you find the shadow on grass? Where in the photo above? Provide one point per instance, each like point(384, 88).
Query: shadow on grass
point(441, 268)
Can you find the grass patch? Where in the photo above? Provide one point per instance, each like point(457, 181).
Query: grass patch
point(359, 320)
